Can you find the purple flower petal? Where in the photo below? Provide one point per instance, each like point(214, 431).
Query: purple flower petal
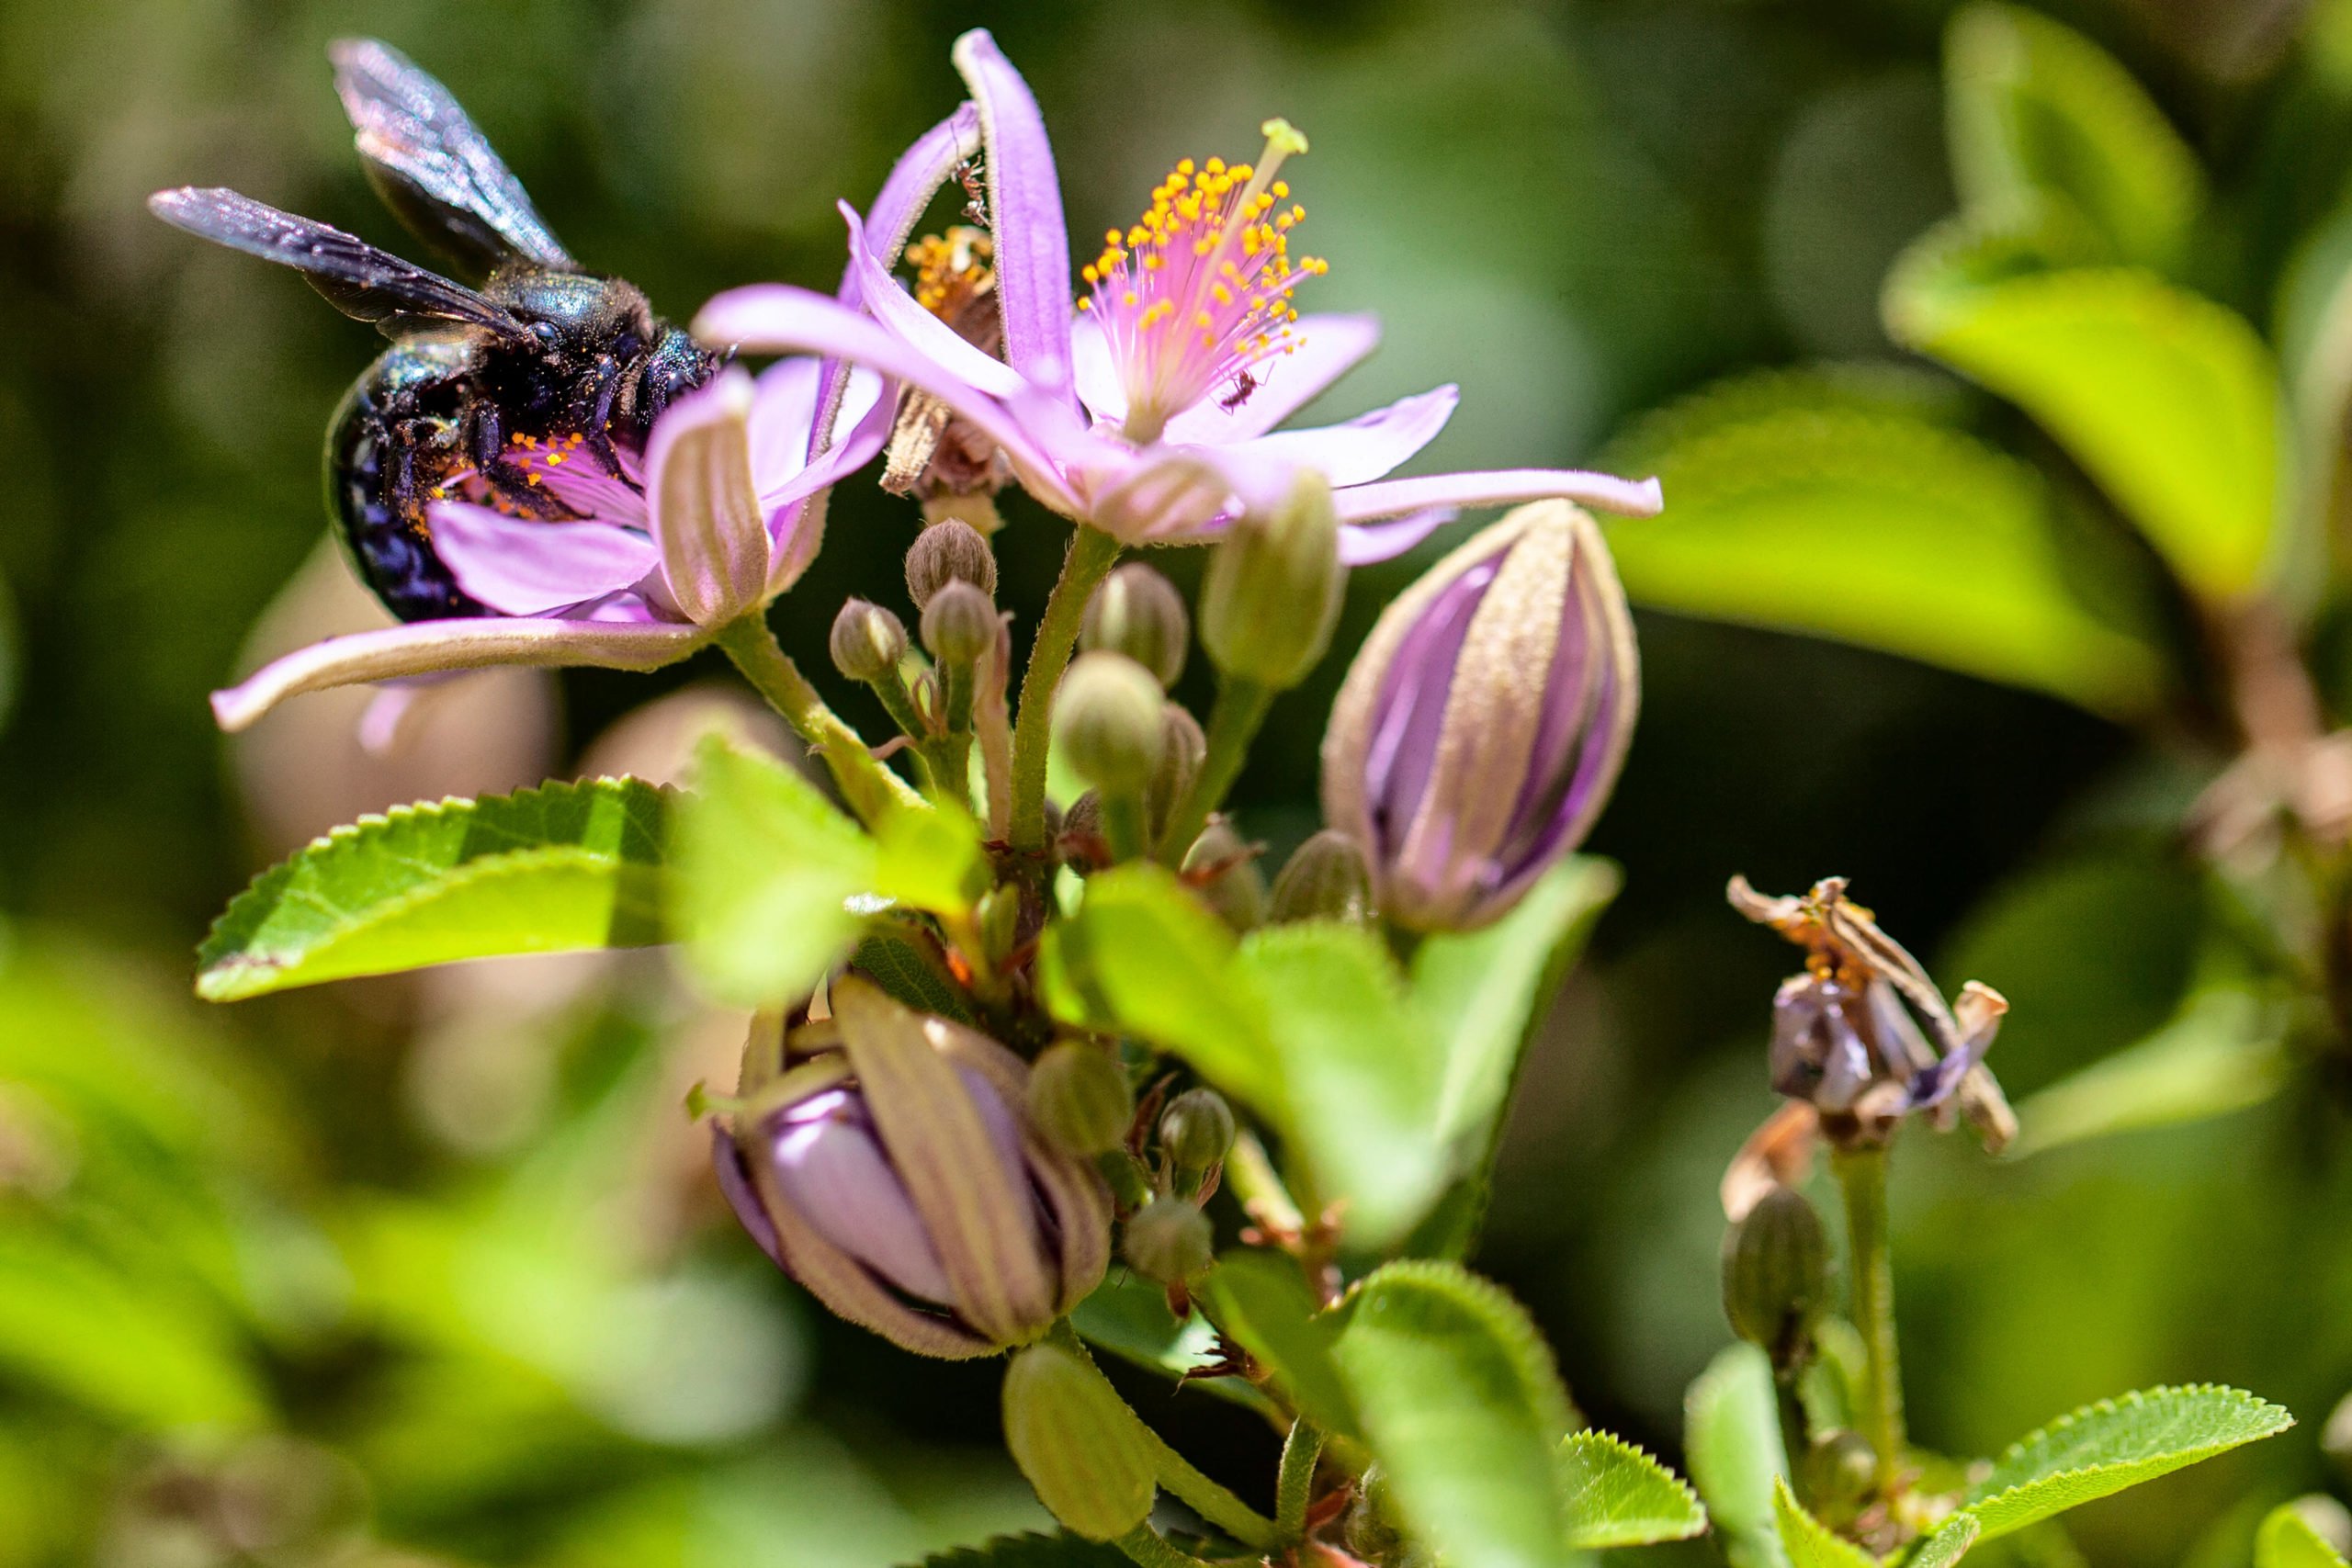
point(896, 309)
point(1328, 347)
point(518, 566)
point(1367, 447)
point(829, 1165)
point(784, 418)
point(422, 648)
point(1362, 543)
point(1025, 214)
point(796, 507)
point(776, 318)
point(1095, 374)
point(706, 516)
point(1500, 487)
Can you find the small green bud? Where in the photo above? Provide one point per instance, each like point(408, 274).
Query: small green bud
point(1196, 1130)
point(1272, 593)
point(1081, 825)
point(1838, 1470)
point(999, 913)
point(1181, 751)
point(1085, 1452)
point(1325, 879)
point(1138, 612)
point(1168, 1240)
point(953, 551)
point(1080, 1099)
point(1107, 720)
point(868, 641)
point(1776, 1274)
point(1237, 890)
point(960, 624)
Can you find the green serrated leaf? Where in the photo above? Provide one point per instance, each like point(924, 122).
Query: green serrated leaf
point(1808, 1542)
point(1463, 1406)
point(2039, 113)
point(2287, 1541)
point(1948, 1545)
point(766, 872)
point(2224, 1052)
point(1262, 1301)
point(2169, 401)
point(1617, 1495)
point(1060, 1549)
point(2104, 1448)
point(1360, 1068)
point(906, 963)
point(1732, 1441)
point(1142, 956)
point(555, 869)
point(1816, 503)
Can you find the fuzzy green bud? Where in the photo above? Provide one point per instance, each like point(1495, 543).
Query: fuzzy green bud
point(1272, 591)
point(1196, 1130)
point(1224, 867)
point(1080, 1099)
point(1325, 879)
point(1138, 612)
point(960, 624)
point(1776, 1274)
point(1107, 721)
point(953, 551)
point(1168, 1240)
point(1182, 750)
point(1086, 1454)
point(868, 641)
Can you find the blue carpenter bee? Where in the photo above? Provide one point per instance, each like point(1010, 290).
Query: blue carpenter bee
point(483, 389)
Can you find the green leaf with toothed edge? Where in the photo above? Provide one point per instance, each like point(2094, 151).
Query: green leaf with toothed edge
point(1731, 1440)
point(556, 869)
point(905, 961)
point(1464, 1408)
point(1260, 1299)
point(1618, 1495)
point(1808, 1542)
point(2287, 1541)
point(2105, 1448)
point(1948, 1545)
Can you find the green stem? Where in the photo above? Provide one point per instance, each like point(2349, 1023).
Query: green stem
point(1123, 827)
point(1149, 1549)
point(1861, 1175)
point(1233, 723)
point(873, 791)
point(1294, 1481)
point(1092, 554)
point(1207, 1498)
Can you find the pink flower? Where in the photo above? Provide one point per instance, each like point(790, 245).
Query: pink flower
point(1149, 409)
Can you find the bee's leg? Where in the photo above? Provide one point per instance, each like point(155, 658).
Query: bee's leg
point(485, 437)
point(599, 438)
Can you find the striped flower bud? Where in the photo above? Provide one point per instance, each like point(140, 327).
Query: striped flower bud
point(1481, 725)
point(947, 552)
point(907, 1191)
point(1138, 612)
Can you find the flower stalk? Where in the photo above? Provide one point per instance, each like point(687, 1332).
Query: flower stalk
point(1092, 555)
point(872, 790)
point(1861, 1176)
point(1234, 721)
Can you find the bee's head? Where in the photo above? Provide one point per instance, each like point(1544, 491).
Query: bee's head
point(674, 366)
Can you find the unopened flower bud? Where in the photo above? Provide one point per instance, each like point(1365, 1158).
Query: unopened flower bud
point(868, 641)
point(1776, 1274)
point(953, 551)
point(1196, 1131)
point(1183, 750)
point(1840, 1470)
point(908, 1191)
point(1138, 612)
point(1088, 1457)
point(1168, 1240)
point(1079, 1098)
point(1107, 721)
point(1325, 879)
point(1272, 591)
point(1481, 727)
point(1224, 867)
point(960, 624)
point(1080, 830)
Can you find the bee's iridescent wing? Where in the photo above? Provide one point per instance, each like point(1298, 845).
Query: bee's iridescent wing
point(431, 166)
point(356, 278)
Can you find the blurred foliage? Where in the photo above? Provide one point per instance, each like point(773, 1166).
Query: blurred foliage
point(429, 1270)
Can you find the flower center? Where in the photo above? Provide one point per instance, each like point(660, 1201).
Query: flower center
point(953, 282)
point(1198, 291)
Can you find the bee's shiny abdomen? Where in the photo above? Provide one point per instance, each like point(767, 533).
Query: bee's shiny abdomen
point(398, 433)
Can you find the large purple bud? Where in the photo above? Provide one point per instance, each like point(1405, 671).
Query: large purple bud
point(899, 1180)
point(1483, 724)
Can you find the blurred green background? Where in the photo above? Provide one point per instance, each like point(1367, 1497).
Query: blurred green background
point(430, 1270)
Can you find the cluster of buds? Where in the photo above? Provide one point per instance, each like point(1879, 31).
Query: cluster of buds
point(887, 1159)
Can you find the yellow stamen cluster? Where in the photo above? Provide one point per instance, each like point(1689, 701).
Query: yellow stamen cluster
point(952, 269)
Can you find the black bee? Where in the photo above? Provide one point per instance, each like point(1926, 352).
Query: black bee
point(481, 388)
